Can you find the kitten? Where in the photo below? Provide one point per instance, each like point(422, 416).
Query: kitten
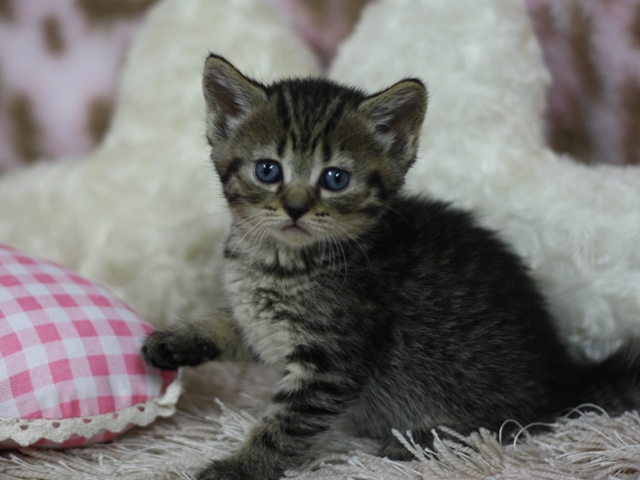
point(384, 310)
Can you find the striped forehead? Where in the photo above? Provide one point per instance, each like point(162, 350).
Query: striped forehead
point(309, 111)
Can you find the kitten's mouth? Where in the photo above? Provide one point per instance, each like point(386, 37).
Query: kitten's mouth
point(295, 234)
point(295, 230)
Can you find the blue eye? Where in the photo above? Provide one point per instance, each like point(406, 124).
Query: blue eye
point(268, 171)
point(335, 179)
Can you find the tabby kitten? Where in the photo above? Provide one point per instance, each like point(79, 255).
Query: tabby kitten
point(384, 310)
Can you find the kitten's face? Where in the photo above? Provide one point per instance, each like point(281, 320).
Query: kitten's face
point(308, 161)
point(300, 190)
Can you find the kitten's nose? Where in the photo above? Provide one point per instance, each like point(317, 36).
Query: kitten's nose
point(295, 211)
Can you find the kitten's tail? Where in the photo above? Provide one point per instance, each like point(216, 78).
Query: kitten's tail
point(614, 383)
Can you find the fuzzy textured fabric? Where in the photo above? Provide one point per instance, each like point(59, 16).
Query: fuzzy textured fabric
point(594, 447)
point(144, 216)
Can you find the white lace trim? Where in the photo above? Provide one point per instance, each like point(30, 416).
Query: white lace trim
point(27, 432)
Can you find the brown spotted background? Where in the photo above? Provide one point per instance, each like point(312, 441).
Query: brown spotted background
point(592, 48)
point(59, 105)
point(59, 102)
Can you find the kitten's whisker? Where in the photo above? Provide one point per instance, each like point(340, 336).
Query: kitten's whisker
point(355, 241)
point(249, 220)
point(332, 257)
point(239, 242)
point(394, 211)
point(340, 257)
point(258, 244)
point(327, 249)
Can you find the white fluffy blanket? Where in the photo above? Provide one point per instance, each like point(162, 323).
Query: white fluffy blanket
point(144, 216)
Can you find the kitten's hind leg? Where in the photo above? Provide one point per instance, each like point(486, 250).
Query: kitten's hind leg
point(193, 342)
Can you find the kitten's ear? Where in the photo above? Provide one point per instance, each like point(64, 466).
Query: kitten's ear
point(397, 114)
point(230, 96)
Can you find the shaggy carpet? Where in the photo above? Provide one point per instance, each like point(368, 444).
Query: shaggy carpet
point(221, 403)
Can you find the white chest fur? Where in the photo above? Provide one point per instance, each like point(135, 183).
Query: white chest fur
point(262, 313)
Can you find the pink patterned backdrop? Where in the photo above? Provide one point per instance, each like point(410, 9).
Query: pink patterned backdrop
point(60, 62)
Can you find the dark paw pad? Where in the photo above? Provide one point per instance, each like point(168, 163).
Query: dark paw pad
point(169, 350)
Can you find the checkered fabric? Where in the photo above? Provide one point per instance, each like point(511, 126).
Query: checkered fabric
point(68, 347)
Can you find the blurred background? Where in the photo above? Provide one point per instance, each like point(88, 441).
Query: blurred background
point(61, 61)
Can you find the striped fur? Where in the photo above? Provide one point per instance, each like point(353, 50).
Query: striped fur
point(384, 311)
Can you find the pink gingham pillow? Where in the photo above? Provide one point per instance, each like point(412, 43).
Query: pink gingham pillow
point(70, 368)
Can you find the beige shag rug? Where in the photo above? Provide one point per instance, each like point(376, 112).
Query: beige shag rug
point(144, 215)
point(222, 401)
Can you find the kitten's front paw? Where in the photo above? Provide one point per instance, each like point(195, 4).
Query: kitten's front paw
point(168, 350)
point(230, 469)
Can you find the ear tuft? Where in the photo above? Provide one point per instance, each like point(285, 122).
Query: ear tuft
point(230, 96)
point(396, 114)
